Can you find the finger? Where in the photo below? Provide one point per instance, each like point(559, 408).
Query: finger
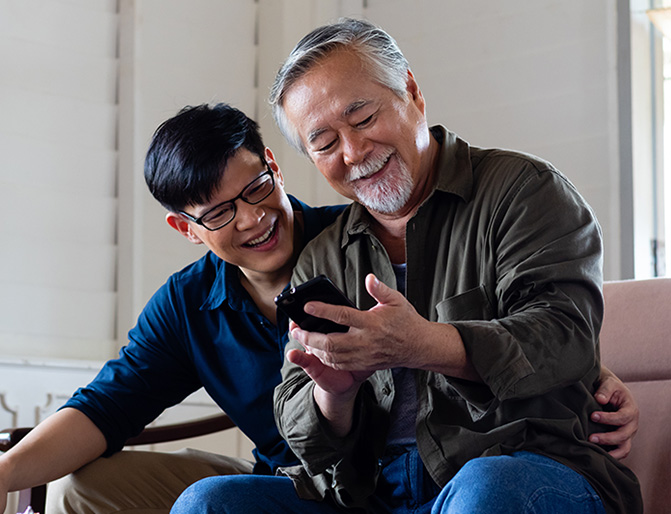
point(623, 416)
point(310, 364)
point(602, 397)
point(308, 340)
point(607, 392)
point(340, 314)
point(620, 442)
point(382, 293)
point(322, 347)
point(299, 335)
point(328, 379)
point(614, 438)
point(621, 451)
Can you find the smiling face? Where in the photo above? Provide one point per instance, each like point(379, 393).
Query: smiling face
point(370, 144)
point(260, 239)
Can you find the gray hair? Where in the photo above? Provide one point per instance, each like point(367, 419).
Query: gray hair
point(375, 47)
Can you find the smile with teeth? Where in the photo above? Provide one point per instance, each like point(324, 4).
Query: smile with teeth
point(369, 168)
point(262, 238)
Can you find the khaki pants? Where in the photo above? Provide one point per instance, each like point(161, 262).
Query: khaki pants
point(137, 482)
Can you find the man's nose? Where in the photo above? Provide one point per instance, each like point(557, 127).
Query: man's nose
point(356, 147)
point(248, 216)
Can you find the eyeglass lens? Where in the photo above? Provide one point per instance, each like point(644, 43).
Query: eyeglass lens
point(255, 192)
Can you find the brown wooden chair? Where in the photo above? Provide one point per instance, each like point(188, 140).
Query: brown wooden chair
point(35, 497)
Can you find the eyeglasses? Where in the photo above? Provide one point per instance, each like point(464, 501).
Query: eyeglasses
point(221, 215)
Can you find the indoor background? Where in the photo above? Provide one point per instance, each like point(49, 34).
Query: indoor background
point(84, 83)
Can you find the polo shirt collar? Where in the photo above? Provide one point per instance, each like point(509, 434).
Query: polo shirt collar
point(223, 286)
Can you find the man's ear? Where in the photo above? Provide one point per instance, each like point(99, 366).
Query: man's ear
point(181, 225)
point(415, 93)
point(270, 159)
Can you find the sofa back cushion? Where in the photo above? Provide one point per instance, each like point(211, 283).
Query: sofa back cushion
point(636, 345)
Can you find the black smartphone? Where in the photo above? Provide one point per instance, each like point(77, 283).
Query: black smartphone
point(320, 288)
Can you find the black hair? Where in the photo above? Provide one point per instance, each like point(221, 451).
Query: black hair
point(188, 153)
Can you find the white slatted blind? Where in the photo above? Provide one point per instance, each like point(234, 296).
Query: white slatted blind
point(58, 99)
point(173, 53)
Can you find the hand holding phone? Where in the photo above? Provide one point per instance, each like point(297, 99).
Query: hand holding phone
point(292, 303)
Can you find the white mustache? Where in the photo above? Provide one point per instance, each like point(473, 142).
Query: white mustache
point(369, 167)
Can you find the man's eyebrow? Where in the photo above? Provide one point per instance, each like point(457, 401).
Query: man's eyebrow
point(353, 107)
point(347, 111)
point(315, 134)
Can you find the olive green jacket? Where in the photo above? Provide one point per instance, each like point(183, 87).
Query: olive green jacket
point(507, 251)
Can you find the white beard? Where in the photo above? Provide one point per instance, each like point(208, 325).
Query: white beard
point(390, 193)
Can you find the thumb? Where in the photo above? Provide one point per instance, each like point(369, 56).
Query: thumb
point(310, 363)
point(378, 290)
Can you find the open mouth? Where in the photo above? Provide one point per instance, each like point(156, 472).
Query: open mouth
point(263, 238)
point(369, 169)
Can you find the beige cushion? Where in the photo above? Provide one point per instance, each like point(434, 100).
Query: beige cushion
point(636, 345)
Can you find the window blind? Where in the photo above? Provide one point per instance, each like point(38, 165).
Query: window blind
point(58, 155)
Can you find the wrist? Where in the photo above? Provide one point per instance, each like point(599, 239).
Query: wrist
point(337, 409)
point(5, 475)
point(445, 352)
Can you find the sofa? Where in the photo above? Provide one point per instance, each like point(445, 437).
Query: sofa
point(636, 345)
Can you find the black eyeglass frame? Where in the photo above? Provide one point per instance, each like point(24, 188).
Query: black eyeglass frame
point(241, 196)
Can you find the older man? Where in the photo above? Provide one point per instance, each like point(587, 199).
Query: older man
point(464, 384)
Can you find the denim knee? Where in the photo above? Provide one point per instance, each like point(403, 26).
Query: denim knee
point(523, 483)
point(207, 495)
point(481, 483)
point(245, 494)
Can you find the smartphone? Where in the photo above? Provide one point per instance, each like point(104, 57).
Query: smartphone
point(320, 288)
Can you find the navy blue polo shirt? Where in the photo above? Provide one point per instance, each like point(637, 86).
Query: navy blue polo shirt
point(200, 329)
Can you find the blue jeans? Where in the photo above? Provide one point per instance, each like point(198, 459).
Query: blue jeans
point(247, 494)
point(523, 483)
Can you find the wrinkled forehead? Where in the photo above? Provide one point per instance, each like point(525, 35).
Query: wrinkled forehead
point(333, 89)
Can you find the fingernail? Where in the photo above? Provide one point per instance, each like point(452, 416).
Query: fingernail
point(596, 416)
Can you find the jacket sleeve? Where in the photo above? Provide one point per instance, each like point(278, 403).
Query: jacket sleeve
point(547, 257)
point(342, 467)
